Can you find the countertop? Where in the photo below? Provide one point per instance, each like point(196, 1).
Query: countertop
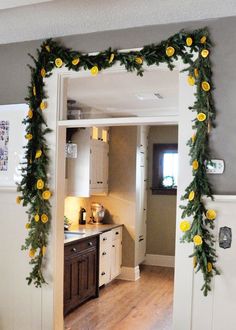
point(88, 230)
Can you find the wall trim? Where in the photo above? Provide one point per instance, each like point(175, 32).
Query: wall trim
point(9, 189)
point(223, 198)
point(159, 260)
point(129, 273)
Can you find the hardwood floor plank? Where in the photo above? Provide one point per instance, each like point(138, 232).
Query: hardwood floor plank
point(142, 305)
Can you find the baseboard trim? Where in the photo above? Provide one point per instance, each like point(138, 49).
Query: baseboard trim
point(129, 273)
point(159, 260)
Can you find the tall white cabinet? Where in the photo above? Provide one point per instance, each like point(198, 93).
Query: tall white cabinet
point(88, 173)
point(141, 193)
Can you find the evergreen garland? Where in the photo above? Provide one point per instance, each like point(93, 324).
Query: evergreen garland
point(34, 187)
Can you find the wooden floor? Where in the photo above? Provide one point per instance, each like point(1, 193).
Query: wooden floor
point(142, 305)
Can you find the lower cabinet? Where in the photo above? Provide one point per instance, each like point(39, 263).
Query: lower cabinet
point(90, 263)
point(80, 272)
point(110, 255)
point(115, 258)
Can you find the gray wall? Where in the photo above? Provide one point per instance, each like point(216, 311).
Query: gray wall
point(161, 209)
point(15, 76)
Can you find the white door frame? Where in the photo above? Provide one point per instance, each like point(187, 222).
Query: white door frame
point(52, 295)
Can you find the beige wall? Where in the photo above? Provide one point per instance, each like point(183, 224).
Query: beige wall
point(161, 215)
point(120, 202)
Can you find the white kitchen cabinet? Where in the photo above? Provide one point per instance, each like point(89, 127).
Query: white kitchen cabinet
point(141, 193)
point(105, 258)
point(88, 173)
point(116, 252)
point(110, 255)
point(100, 134)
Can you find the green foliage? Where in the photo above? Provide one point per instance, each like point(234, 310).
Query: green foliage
point(198, 68)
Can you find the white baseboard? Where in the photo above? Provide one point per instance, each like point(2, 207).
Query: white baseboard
point(159, 260)
point(129, 273)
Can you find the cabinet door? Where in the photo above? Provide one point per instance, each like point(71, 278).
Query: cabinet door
point(99, 167)
point(72, 295)
point(78, 169)
point(105, 267)
point(100, 134)
point(95, 165)
point(116, 258)
point(87, 275)
point(80, 279)
point(105, 166)
point(105, 258)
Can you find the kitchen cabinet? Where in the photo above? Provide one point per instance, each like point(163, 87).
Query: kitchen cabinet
point(110, 255)
point(141, 193)
point(88, 173)
point(105, 258)
point(80, 272)
point(100, 134)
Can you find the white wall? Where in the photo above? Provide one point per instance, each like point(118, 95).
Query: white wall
point(23, 307)
point(217, 310)
point(19, 303)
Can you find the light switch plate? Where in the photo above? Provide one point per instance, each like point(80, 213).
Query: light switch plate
point(215, 166)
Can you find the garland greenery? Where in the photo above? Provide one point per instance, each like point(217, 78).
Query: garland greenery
point(34, 187)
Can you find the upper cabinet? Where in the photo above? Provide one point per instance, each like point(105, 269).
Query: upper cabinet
point(100, 134)
point(88, 173)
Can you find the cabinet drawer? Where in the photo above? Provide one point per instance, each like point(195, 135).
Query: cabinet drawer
point(116, 233)
point(105, 240)
point(105, 257)
point(81, 246)
point(104, 275)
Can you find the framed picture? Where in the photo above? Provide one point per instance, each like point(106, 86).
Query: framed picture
point(12, 140)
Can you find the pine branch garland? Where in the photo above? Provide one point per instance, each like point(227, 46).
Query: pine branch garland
point(34, 187)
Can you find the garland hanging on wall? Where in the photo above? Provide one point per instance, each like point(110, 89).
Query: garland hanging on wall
point(34, 187)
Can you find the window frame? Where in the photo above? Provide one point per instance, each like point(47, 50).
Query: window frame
point(157, 168)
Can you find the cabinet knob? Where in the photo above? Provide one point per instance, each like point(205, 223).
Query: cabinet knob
point(113, 245)
point(90, 243)
point(74, 250)
point(104, 239)
point(103, 273)
point(117, 233)
point(104, 253)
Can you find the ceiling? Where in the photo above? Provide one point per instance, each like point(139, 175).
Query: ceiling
point(126, 94)
point(6, 4)
point(39, 20)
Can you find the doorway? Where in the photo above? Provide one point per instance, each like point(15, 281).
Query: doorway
point(127, 204)
point(57, 102)
point(106, 100)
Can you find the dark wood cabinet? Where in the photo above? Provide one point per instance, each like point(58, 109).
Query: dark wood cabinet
point(80, 272)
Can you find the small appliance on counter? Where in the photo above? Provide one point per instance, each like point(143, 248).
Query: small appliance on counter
point(98, 213)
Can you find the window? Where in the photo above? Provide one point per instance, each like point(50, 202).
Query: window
point(165, 169)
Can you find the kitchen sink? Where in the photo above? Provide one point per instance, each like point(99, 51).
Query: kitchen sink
point(69, 235)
